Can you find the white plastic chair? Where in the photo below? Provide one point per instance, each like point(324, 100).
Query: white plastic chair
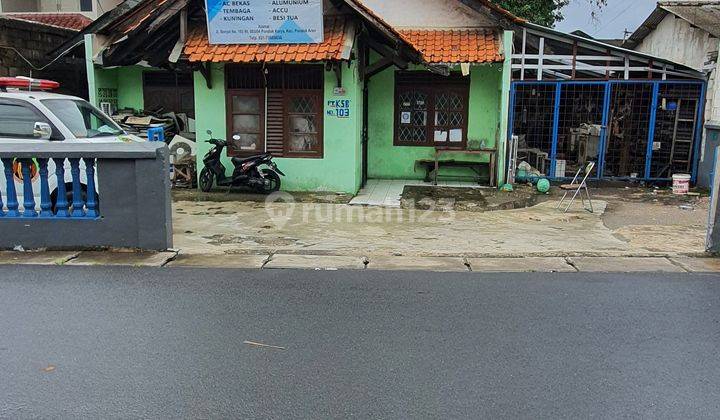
point(578, 188)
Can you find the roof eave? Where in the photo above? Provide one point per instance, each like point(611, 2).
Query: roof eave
point(646, 28)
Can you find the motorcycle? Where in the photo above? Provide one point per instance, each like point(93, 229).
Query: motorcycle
point(247, 170)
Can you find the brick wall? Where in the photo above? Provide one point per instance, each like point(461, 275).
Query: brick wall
point(34, 41)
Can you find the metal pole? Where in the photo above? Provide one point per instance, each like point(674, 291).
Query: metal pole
point(651, 129)
point(556, 128)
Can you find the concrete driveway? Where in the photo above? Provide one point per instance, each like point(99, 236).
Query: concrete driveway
point(621, 226)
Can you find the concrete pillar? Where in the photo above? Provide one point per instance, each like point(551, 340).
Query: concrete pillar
point(504, 106)
point(713, 237)
point(90, 69)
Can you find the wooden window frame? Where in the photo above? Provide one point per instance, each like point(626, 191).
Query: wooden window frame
point(432, 86)
point(319, 95)
point(229, 114)
point(265, 122)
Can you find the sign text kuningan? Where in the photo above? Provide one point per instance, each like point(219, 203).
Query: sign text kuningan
point(265, 21)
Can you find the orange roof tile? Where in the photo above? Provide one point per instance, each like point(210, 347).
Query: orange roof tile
point(74, 21)
point(456, 45)
point(198, 48)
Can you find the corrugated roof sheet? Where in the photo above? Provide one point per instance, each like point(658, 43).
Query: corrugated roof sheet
point(198, 48)
point(74, 21)
point(456, 46)
point(703, 14)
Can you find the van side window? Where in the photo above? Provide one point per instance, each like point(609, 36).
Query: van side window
point(18, 120)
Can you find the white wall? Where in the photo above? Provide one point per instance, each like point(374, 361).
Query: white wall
point(68, 6)
point(676, 40)
point(435, 14)
point(18, 5)
point(713, 103)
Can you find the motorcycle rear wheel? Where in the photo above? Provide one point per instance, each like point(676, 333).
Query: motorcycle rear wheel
point(206, 180)
point(273, 183)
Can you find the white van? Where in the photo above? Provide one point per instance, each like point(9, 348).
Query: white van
point(41, 117)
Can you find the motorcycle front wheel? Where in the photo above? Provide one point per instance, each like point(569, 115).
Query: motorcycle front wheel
point(206, 180)
point(272, 183)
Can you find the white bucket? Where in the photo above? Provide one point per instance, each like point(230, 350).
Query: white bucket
point(681, 184)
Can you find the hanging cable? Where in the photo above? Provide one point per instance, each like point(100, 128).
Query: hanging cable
point(33, 66)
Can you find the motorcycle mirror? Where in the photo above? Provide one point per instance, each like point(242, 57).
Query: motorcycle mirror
point(209, 132)
point(236, 137)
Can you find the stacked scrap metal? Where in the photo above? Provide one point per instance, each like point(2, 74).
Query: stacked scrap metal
point(138, 123)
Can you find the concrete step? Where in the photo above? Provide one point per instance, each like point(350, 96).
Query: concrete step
point(315, 262)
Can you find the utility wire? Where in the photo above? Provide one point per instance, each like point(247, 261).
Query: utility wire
point(611, 20)
point(33, 66)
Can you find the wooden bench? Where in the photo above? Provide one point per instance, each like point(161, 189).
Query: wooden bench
point(432, 166)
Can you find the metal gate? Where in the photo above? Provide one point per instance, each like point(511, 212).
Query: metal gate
point(644, 129)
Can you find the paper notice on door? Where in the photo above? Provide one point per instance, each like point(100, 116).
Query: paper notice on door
point(441, 136)
point(456, 135)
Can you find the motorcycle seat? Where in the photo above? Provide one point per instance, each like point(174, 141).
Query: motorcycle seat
point(240, 160)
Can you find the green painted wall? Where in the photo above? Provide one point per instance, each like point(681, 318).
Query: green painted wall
point(130, 87)
point(209, 109)
point(127, 83)
point(398, 162)
point(338, 171)
point(105, 86)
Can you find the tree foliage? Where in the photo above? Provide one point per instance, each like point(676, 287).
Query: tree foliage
point(545, 12)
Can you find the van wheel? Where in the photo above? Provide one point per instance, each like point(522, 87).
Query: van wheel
point(69, 197)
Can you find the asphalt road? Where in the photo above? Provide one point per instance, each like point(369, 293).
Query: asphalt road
point(104, 342)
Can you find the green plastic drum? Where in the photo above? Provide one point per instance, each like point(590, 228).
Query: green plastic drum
point(543, 185)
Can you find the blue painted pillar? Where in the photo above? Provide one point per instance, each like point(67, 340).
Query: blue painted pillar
point(78, 205)
point(651, 128)
point(12, 202)
point(28, 196)
point(604, 133)
point(45, 203)
point(92, 204)
point(61, 205)
point(556, 128)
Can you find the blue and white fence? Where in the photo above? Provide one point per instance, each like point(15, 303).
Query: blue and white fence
point(49, 195)
point(35, 183)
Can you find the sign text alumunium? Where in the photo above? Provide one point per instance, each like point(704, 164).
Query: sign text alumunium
point(265, 21)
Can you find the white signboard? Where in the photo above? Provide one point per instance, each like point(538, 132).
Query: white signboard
point(265, 21)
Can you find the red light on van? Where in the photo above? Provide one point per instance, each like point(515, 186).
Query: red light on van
point(27, 83)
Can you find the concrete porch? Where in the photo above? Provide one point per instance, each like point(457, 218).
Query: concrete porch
point(387, 192)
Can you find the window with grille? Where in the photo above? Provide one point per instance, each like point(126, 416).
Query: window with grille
point(431, 110)
point(290, 121)
point(304, 123)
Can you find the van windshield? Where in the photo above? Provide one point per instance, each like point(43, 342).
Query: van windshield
point(82, 119)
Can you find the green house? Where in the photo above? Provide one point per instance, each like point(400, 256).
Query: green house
point(391, 85)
